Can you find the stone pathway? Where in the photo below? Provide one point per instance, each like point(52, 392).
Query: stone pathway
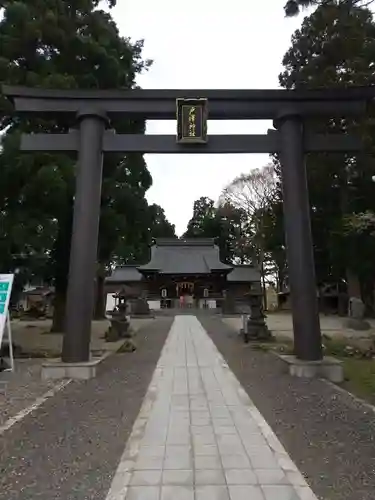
point(198, 435)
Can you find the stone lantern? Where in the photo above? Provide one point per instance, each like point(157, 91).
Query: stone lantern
point(255, 327)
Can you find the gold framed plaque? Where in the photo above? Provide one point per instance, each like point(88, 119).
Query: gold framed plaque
point(191, 117)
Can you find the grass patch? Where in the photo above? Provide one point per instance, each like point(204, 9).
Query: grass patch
point(358, 362)
point(359, 365)
point(360, 378)
point(281, 345)
point(349, 348)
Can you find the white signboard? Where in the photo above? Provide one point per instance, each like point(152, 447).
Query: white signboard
point(6, 283)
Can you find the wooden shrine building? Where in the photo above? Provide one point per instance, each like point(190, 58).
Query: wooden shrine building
point(185, 273)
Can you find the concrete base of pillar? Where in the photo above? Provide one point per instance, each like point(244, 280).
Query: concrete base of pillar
point(56, 369)
point(328, 368)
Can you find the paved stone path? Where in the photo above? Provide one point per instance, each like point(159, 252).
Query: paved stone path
point(198, 435)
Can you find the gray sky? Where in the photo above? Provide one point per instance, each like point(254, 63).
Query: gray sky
point(205, 44)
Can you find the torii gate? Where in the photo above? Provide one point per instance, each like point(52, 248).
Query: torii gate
point(92, 110)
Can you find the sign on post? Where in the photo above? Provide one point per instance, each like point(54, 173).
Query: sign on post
point(192, 115)
point(6, 284)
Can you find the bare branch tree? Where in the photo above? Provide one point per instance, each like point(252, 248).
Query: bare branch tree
point(252, 193)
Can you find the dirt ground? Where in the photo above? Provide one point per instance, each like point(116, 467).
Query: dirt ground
point(34, 337)
point(280, 325)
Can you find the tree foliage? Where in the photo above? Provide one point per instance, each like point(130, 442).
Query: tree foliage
point(294, 7)
point(359, 246)
point(252, 193)
point(335, 47)
point(226, 224)
point(59, 44)
point(134, 248)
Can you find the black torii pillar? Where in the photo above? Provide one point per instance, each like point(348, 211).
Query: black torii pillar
point(84, 244)
point(299, 245)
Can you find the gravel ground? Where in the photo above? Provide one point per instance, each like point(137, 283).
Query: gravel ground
point(70, 447)
point(329, 435)
point(21, 388)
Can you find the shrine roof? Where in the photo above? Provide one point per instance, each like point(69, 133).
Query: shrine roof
point(123, 274)
point(239, 274)
point(185, 256)
point(244, 273)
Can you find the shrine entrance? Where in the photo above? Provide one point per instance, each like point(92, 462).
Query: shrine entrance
point(90, 114)
point(177, 295)
point(188, 293)
point(185, 294)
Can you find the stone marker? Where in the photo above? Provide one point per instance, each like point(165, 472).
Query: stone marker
point(356, 312)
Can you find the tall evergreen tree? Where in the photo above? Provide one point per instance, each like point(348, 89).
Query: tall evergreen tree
point(59, 44)
point(295, 7)
point(226, 224)
point(335, 47)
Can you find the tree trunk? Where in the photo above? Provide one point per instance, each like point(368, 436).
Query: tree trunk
point(58, 319)
point(263, 279)
point(264, 289)
point(354, 287)
point(61, 256)
point(279, 280)
point(100, 302)
point(342, 306)
point(367, 294)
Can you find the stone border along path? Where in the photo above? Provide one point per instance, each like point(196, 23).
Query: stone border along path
point(198, 435)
